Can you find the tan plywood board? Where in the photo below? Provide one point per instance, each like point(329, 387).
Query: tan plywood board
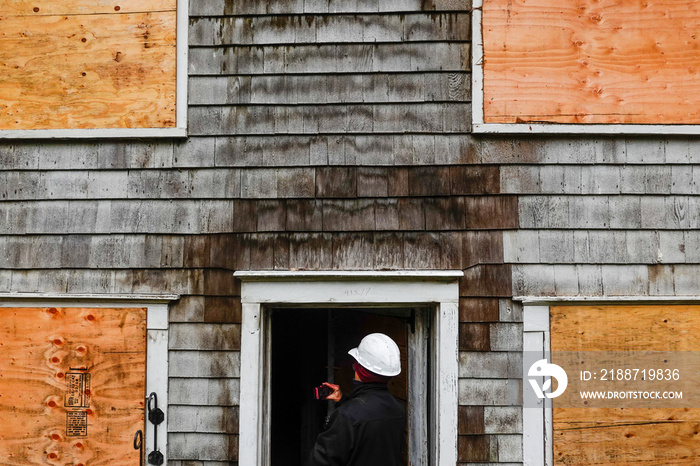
point(57, 7)
point(600, 62)
point(614, 436)
point(72, 385)
point(87, 70)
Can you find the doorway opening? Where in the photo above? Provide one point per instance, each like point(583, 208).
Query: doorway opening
point(309, 346)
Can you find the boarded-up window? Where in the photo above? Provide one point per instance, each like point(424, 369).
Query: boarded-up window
point(607, 436)
point(591, 61)
point(86, 64)
point(72, 385)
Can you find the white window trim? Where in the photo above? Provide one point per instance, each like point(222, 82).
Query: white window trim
point(478, 125)
point(180, 129)
point(537, 423)
point(538, 436)
point(156, 340)
point(439, 289)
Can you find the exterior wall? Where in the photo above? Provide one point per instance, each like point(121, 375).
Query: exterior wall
point(611, 217)
point(335, 135)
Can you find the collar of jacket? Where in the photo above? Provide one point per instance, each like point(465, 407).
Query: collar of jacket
point(367, 387)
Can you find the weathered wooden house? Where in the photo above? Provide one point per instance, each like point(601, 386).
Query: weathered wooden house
point(214, 201)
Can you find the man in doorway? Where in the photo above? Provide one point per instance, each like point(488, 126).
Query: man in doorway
point(367, 427)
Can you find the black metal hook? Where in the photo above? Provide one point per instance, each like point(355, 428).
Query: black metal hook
point(138, 439)
point(155, 417)
point(138, 444)
point(153, 397)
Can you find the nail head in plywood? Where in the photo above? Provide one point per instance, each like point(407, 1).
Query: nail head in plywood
point(91, 55)
point(72, 384)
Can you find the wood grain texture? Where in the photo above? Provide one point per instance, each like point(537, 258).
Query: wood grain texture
point(591, 61)
point(79, 7)
point(87, 70)
point(625, 328)
point(255, 7)
point(261, 30)
point(43, 350)
point(608, 436)
point(330, 58)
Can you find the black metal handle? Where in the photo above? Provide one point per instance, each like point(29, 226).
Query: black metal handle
point(155, 417)
point(138, 445)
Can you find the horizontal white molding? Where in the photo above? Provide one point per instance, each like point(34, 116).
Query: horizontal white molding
point(364, 275)
point(553, 300)
point(96, 133)
point(583, 128)
point(141, 298)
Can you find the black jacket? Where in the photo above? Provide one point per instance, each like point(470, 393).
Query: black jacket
point(366, 429)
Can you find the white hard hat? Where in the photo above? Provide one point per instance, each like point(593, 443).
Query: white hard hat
point(378, 353)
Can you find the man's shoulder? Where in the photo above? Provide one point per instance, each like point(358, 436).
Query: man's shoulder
point(368, 406)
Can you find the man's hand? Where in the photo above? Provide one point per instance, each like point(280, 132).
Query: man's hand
point(337, 393)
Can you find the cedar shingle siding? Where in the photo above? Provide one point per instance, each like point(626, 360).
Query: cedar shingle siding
point(336, 135)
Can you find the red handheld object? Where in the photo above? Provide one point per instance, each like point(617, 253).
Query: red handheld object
point(322, 392)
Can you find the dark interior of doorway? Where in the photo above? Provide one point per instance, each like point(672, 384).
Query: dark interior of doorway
point(309, 346)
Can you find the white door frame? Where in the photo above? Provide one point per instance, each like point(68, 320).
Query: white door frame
point(436, 289)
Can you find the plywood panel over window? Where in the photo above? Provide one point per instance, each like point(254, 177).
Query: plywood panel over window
point(72, 385)
point(591, 61)
point(87, 64)
point(607, 436)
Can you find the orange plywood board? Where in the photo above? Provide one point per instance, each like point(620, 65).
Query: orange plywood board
point(65, 67)
point(72, 385)
point(591, 61)
point(55, 7)
point(616, 436)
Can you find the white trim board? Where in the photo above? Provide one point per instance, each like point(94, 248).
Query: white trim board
point(554, 300)
point(180, 129)
point(480, 127)
point(537, 423)
point(156, 341)
point(260, 290)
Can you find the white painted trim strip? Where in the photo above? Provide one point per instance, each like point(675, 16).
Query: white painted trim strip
point(181, 66)
point(336, 292)
point(477, 66)
point(143, 298)
point(433, 275)
point(536, 318)
point(583, 128)
point(446, 381)
point(548, 411)
point(251, 387)
point(533, 419)
point(546, 300)
point(93, 133)
point(157, 377)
